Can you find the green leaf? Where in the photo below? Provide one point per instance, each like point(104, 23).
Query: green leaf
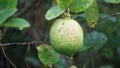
point(103, 27)
point(54, 12)
point(92, 13)
point(107, 52)
point(62, 63)
point(54, 57)
point(32, 60)
point(73, 66)
point(8, 4)
point(17, 23)
point(94, 40)
point(80, 5)
point(4, 14)
point(47, 55)
point(112, 1)
point(64, 3)
point(107, 66)
point(85, 47)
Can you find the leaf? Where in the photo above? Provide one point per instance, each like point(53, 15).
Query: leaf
point(73, 66)
point(106, 66)
point(94, 40)
point(32, 60)
point(47, 55)
point(108, 53)
point(55, 56)
point(54, 12)
point(64, 3)
point(80, 5)
point(92, 13)
point(17, 23)
point(61, 64)
point(4, 14)
point(6, 4)
point(103, 27)
point(85, 47)
point(7, 9)
point(112, 1)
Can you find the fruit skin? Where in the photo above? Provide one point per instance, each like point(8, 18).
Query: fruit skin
point(66, 36)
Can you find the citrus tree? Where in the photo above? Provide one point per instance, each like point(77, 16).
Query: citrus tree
point(60, 33)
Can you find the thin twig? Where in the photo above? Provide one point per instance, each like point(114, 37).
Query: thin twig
point(24, 43)
point(112, 15)
point(3, 51)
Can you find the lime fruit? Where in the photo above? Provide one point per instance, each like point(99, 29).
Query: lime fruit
point(66, 36)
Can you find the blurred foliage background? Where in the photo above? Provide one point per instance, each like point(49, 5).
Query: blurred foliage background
point(108, 56)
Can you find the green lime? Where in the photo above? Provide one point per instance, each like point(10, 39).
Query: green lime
point(66, 36)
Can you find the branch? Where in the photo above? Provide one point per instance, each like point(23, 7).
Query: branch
point(103, 19)
point(25, 43)
point(3, 51)
point(112, 15)
point(26, 9)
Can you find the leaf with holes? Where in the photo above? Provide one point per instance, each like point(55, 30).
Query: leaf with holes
point(80, 5)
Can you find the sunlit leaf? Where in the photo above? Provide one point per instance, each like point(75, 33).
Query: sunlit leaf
point(80, 5)
point(7, 4)
point(92, 13)
point(17, 23)
point(54, 12)
point(64, 3)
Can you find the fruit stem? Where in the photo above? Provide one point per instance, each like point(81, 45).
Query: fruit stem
point(68, 11)
point(67, 14)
